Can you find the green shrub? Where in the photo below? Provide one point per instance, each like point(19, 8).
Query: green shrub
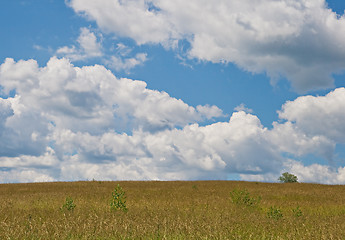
point(118, 201)
point(242, 197)
point(274, 213)
point(297, 212)
point(69, 204)
point(288, 178)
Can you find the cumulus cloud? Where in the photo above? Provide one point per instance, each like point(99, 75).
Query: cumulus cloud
point(71, 123)
point(89, 47)
point(291, 139)
point(311, 124)
point(194, 152)
point(299, 40)
point(317, 173)
point(135, 19)
point(60, 101)
point(94, 97)
point(46, 160)
point(321, 115)
point(88, 42)
point(17, 139)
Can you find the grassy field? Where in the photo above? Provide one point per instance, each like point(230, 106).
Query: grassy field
point(173, 210)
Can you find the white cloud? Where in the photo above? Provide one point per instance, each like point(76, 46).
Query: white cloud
point(69, 51)
point(124, 60)
point(123, 50)
point(88, 42)
point(299, 40)
point(314, 173)
point(210, 111)
point(18, 75)
point(311, 124)
point(119, 63)
point(321, 115)
point(61, 112)
point(18, 125)
point(288, 138)
point(268, 177)
point(25, 175)
point(5, 112)
point(93, 98)
point(128, 18)
point(194, 152)
point(89, 47)
point(317, 173)
point(242, 107)
point(46, 160)
point(70, 123)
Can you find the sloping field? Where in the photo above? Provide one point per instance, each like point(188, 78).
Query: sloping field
point(173, 210)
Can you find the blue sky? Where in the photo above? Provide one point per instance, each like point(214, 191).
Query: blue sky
point(160, 90)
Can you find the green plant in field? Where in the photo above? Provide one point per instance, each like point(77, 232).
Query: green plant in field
point(297, 212)
point(118, 200)
point(69, 204)
point(242, 197)
point(288, 178)
point(274, 213)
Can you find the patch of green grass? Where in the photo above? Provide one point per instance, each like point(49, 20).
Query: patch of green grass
point(274, 213)
point(297, 212)
point(242, 197)
point(68, 205)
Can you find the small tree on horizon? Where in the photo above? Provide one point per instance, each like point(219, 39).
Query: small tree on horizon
point(288, 178)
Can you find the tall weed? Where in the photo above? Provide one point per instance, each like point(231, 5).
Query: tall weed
point(242, 197)
point(69, 204)
point(274, 213)
point(118, 200)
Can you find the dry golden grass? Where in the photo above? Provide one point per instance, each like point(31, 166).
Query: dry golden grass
point(170, 210)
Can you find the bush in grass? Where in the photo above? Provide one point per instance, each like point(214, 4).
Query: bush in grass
point(297, 212)
point(69, 204)
point(242, 197)
point(288, 178)
point(118, 200)
point(274, 213)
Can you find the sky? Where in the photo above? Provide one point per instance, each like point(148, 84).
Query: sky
point(172, 90)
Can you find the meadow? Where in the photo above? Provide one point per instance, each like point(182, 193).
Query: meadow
point(173, 210)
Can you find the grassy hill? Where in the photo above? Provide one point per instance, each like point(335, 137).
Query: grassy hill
point(173, 210)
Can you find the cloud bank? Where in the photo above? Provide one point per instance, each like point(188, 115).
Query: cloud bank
point(69, 123)
point(298, 40)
